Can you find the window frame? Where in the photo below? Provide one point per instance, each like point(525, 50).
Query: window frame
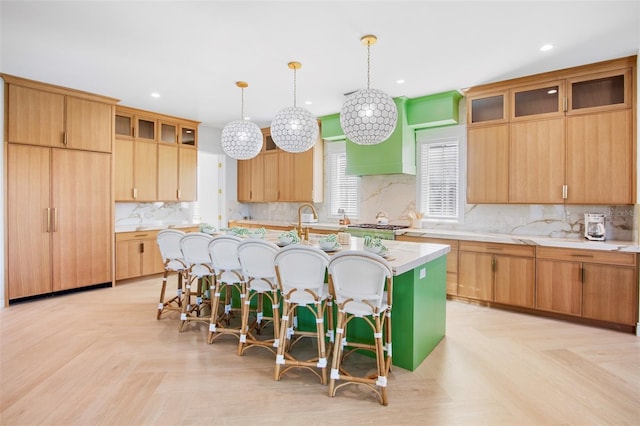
point(435, 136)
point(339, 148)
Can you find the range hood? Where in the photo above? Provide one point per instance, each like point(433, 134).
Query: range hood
point(398, 153)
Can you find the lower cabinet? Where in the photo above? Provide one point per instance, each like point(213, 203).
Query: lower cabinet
point(502, 273)
point(589, 284)
point(137, 254)
point(592, 284)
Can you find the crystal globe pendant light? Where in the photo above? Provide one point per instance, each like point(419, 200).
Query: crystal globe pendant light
point(294, 129)
point(241, 139)
point(368, 116)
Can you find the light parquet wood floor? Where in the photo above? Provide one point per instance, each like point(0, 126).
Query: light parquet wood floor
point(101, 358)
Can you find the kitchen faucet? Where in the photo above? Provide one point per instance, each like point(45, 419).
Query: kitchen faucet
point(306, 230)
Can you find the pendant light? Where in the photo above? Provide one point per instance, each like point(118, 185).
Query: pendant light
point(294, 129)
point(241, 139)
point(368, 116)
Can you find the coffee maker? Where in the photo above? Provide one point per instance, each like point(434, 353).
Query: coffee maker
point(594, 229)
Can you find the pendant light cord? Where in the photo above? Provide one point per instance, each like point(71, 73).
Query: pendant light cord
point(368, 66)
point(242, 104)
point(294, 88)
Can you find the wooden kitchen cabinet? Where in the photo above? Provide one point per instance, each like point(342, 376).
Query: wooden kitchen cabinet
point(600, 158)
point(537, 161)
point(177, 173)
point(59, 220)
point(599, 285)
point(609, 293)
point(187, 174)
point(502, 273)
point(136, 176)
point(280, 176)
point(137, 254)
point(155, 157)
point(559, 286)
point(537, 101)
point(58, 168)
point(570, 137)
point(52, 116)
point(250, 179)
point(488, 164)
point(168, 172)
point(488, 108)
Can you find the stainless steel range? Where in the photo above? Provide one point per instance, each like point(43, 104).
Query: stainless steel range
point(384, 232)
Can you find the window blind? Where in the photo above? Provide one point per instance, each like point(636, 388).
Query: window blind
point(344, 190)
point(439, 179)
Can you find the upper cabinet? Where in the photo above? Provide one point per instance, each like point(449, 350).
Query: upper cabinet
point(155, 156)
point(52, 116)
point(488, 108)
point(570, 136)
point(275, 175)
point(604, 91)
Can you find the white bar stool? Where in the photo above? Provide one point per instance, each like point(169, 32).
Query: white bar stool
point(357, 280)
point(257, 259)
point(223, 251)
point(195, 251)
point(169, 244)
point(301, 273)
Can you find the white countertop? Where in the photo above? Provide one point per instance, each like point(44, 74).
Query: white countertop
point(403, 256)
point(153, 226)
point(577, 243)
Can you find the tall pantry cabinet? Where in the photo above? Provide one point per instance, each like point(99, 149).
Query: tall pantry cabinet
point(59, 218)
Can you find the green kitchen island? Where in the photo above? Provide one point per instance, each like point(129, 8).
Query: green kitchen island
point(418, 316)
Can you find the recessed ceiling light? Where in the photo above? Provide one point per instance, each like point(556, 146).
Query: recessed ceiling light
point(546, 47)
point(308, 102)
point(246, 117)
point(401, 81)
point(155, 95)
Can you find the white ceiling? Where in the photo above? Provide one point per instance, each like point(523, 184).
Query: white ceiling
point(192, 53)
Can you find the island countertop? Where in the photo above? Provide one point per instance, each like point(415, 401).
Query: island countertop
point(403, 256)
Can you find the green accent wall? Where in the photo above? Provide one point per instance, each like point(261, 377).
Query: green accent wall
point(398, 153)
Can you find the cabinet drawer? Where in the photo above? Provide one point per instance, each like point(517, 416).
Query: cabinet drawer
point(592, 256)
point(140, 235)
point(498, 248)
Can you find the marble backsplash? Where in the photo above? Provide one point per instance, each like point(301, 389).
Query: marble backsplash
point(396, 195)
point(152, 214)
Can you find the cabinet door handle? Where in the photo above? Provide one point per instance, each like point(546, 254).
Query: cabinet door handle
point(64, 138)
point(565, 192)
point(141, 247)
point(565, 104)
point(493, 263)
point(134, 193)
point(582, 274)
point(178, 193)
point(48, 219)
